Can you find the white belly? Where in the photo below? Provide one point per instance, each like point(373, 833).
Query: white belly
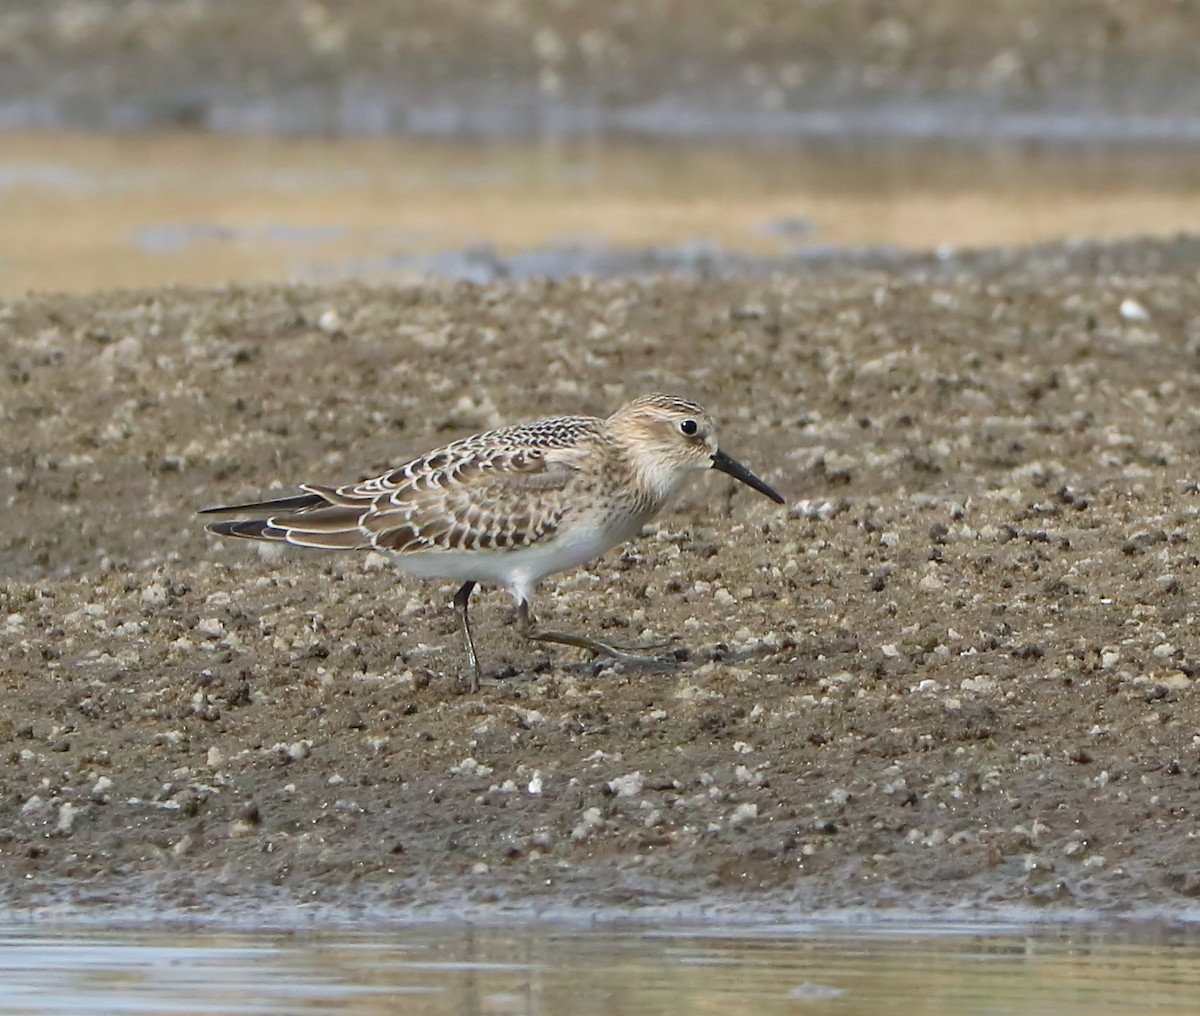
point(518, 570)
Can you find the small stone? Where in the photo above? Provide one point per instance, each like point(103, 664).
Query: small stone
point(588, 824)
point(629, 785)
point(742, 814)
point(743, 774)
point(210, 627)
point(330, 322)
point(1131, 310)
point(66, 818)
point(469, 767)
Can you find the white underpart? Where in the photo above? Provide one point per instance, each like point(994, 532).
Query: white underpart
point(519, 571)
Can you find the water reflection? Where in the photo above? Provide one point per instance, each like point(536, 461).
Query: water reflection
point(90, 212)
point(614, 972)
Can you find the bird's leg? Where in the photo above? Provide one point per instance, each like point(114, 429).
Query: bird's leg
point(629, 654)
point(471, 673)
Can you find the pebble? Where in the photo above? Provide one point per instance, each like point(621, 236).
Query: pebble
point(743, 813)
point(374, 561)
point(469, 767)
point(629, 785)
point(66, 818)
point(743, 774)
point(1131, 310)
point(330, 322)
point(588, 824)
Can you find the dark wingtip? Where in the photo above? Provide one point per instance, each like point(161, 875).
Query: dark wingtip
point(252, 529)
point(277, 506)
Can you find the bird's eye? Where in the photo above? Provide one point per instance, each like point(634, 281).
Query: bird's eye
point(688, 427)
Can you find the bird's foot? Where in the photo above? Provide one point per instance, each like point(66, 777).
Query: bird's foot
point(621, 653)
point(469, 676)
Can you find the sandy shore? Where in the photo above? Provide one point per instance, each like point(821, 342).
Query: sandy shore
point(958, 668)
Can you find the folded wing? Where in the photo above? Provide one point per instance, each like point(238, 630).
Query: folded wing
point(474, 500)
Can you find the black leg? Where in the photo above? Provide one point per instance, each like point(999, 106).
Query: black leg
point(629, 655)
point(460, 605)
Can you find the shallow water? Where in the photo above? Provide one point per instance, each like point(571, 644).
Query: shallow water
point(85, 212)
point(956, 970)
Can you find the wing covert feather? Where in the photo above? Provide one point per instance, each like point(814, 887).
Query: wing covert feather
point(506, 501)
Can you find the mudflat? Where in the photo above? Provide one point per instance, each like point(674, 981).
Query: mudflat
point(958, 668)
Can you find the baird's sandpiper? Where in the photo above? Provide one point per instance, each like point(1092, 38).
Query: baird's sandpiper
point(509, 506)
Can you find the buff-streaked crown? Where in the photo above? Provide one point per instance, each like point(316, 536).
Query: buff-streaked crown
point(667, 437)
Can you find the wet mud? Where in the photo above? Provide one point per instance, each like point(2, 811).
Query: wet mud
point(957, 669)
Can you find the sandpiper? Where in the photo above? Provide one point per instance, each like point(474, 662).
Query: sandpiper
point(509, 506)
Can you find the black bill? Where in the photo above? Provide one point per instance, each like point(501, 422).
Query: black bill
point(735, 469)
